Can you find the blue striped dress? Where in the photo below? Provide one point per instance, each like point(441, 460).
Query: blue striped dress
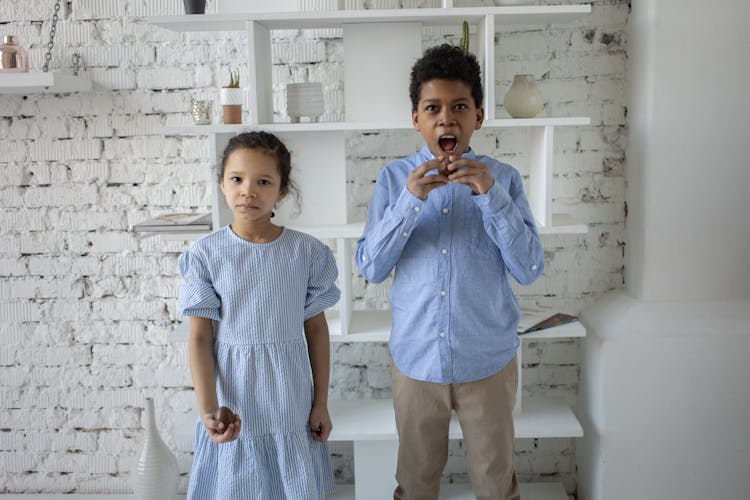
point(258, 296)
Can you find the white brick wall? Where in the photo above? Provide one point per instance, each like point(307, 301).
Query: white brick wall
point(86, 306)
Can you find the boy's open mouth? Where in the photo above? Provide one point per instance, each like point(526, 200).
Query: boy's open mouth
point(447, 143)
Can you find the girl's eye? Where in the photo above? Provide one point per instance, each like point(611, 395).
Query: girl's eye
point(264, 182)
point(235, 179)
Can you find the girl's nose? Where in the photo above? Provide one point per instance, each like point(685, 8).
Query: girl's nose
point(247, 191)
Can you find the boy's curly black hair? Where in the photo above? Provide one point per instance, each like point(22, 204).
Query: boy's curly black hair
point(446, 62)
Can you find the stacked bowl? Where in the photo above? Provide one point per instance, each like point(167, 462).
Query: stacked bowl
point(304, 99)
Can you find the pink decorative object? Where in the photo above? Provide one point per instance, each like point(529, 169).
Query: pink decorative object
point(13, 57)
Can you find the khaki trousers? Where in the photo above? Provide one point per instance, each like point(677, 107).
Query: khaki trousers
point(485, 412)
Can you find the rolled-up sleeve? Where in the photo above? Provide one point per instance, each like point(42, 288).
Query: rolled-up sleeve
point(322, 292)
point(197, 296)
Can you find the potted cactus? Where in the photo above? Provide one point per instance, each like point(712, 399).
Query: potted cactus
point(231, 99)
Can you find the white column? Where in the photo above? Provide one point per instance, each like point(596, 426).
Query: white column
point(665, 401)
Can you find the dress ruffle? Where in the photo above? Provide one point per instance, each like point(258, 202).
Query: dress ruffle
point(271, 467)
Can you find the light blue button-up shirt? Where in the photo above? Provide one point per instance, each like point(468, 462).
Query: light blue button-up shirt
point(454, 313)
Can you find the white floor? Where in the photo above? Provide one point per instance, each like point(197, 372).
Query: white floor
point(536, 491)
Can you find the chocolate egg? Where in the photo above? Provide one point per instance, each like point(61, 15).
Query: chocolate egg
point(225, 415)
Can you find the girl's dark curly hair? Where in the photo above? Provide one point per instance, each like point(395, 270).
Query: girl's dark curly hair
point(446, 62)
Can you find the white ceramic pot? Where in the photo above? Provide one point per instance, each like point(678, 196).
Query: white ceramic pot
point(523, 100)
point(304, 99)
point(231, 96)
point(154, 474)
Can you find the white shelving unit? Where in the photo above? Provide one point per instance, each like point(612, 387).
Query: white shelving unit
point(360, 75)
point(319, 157)
point(39, 82)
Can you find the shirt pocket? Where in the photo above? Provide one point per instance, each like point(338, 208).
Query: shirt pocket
point(413, 271)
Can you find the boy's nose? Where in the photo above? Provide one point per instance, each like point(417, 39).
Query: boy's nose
point(446, 115)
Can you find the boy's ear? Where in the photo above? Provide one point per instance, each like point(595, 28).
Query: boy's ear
point(480, 118)
point(415, 120)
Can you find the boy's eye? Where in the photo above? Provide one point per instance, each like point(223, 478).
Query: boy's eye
point(430, 107)
point(461, 106)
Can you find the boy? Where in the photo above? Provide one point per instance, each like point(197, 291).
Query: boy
point(454, 224)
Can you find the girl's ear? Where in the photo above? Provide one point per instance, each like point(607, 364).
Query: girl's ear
point(284, 191)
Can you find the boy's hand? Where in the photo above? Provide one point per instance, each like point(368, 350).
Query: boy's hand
point(473, 173)
point(217, 431)
point(420, 184)
point(320, 423)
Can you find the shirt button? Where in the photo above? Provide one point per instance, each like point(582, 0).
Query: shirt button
point(416, 209)
point(444, 251)
point(445, 210)
point(442, 335)
point(442, 293)
point(404, 234)
point(533, 267)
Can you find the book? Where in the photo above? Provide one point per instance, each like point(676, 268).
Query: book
point(173, 223)
point(533, 314)
point(556, 319)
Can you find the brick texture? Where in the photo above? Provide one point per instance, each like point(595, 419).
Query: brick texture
point(87, 307)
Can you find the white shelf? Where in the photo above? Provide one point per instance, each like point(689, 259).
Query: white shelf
point(543, 14)
point(330, 231)
point(375, 326)
point(563, 224)
point(373, 420)
point(462, 491)
point(38, 82)
point(220, 128)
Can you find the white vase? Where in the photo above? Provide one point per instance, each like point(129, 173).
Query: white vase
point(154, 473)
point(523, 100)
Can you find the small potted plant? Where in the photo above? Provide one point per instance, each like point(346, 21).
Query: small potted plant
point(231, 99)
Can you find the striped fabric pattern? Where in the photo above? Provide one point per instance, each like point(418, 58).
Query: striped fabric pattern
point(259, 295)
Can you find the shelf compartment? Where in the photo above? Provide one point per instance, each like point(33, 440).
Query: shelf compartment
point(39, 82)
point(542, 14)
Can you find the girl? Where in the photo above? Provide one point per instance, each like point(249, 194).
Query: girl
point(251, 289)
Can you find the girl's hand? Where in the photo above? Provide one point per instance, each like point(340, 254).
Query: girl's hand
point(320, 423)
point(217, 431)
point(473, 173)
point(420, 184)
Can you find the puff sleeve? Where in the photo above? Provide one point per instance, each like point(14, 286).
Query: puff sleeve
point(322, 292)
point(197, 296)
